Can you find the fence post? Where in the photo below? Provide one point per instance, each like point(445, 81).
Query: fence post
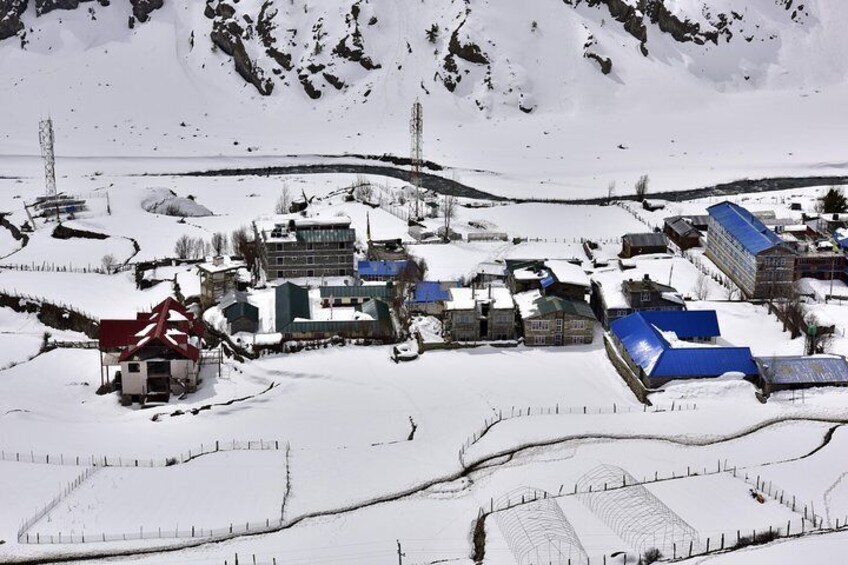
point(722, 541)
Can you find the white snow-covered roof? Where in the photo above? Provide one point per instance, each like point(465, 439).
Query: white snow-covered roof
point(223, 264)
point(269, 223)
point(673, 297)
point(491, 268)
point(530, 274)
point(174, 316)
point(147, 329)
point(467, 298)
point(526, 303)
point(568, 273)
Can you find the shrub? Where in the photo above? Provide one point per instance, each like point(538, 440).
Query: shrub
point(651, 555)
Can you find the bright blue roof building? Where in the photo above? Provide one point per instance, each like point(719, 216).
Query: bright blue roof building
point(689, 325)
point(427, 292)
point(747, 229)
point(381, 270)
point(656, 362)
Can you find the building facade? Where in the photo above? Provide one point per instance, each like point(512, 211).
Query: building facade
point(297, 247)
point(755, 258)
point(633, 244)
point(220, 277)
point(553, 321)
point(480, 314)
point(613, 299)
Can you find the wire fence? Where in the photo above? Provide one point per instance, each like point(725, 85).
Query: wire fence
point(123, 461)
point(26, 536)
point(46, 267)
point(54, 502)
point(708, 542)
point(557, 410)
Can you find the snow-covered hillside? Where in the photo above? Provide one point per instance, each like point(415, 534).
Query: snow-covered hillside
point(565, 93)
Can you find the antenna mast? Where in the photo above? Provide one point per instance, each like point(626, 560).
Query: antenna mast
point(416, 129)
point(45, 137)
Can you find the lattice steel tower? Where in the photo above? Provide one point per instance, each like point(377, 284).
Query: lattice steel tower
point(416, 130)
point(45, 137)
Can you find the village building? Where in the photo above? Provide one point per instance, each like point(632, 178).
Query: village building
point(241, 315)
point(386, 249)
point(220, 276)
point(355, 295)
point(657, 357)
point(158, 352)
point(480, 314)
point(755, 258)
point(795, 373)
point(429, 297)
point(405, 269)
point(613, 298)
point(551, 320)
point(551, 278)
point(633, 244)
point(489, 272)
point(293, 246)
point(298, 317)
point(682, 232)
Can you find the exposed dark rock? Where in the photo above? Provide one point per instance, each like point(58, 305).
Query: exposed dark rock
point(470, 52)
point(604, 62)
point(143, 8)
point(64, 232)
point(228, 39)
point(45, 6)
point(309, 88)
point(10, 17)
point(334, 81)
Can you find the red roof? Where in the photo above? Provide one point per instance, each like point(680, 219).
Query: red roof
point(169, 324)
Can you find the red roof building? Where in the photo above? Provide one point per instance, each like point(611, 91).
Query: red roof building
point(158, 351)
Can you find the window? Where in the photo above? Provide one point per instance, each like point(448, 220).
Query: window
point(310, 273)
point(279, 260)
point(578, 324)
point(539, 340)
point(559, 323)
point(646, 297)
point(279, 274)
point(279, 247)
point(342, 245)
point(540, 325)
point(310, 260)
point(133, 368)
point(342, 272)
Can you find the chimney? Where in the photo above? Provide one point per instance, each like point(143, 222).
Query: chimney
point(646, 278)
point(217, 261)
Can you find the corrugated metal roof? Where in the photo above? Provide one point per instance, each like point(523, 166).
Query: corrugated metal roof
point(704, 362)
point(291, 301)
point(427, 292)
point(358, 291)
point(325, 236)
point(381, 268)
point(681, 227)
point(745, 227)
point(238, 310)
point(650, 350)
point(686, 324)
point(377, 309)
point(644, 344)
point(652, 239)
point(804, 370)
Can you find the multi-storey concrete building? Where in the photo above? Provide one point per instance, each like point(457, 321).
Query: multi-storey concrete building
point(479, 314)
point(752, 255)
point(551, 320)
point(292, 246)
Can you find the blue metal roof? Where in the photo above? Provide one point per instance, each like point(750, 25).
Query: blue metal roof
point(381, 268)
point(820, 371)
point(643, 343)
point(649, 350)
point(746, 228)
point(430, 291)
point(704, 362)
point(547, 281)
point(686, 324)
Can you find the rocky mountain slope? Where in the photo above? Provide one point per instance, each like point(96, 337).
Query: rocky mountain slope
point(322, 48)
point(572, 92)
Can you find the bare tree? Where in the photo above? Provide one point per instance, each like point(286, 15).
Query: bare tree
point(219, 243)
point(364, 191)
point(732, 292)
point(283, 202)
point(183, 247)
point(200, 248)
point(642, 187)
point(702, 287)
point(108, 262)
point(244, 246)
point(448, 210)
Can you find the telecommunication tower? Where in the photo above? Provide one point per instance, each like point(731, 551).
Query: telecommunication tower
point(45, 137)
point(416, 129)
